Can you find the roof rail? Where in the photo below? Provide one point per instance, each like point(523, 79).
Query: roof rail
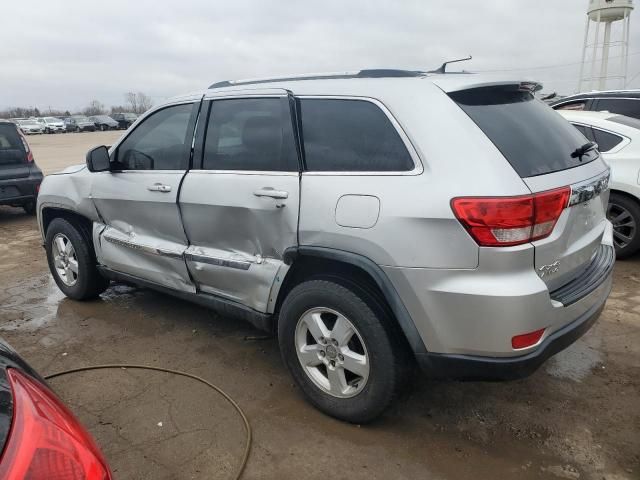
point(368, 73)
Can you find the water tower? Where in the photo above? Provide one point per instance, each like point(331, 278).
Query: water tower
point(606, 12)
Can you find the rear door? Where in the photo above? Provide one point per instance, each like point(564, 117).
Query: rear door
point(13, 155)
point(137, 200)
point(542, 147)
point(240, 208)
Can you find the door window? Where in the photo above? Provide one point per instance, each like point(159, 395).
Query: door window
point(250, 134)
point(161, 142)
point(350, 135)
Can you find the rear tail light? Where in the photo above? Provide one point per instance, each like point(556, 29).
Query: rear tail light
point(507, 221)
point(26, 147)
point(527, 339)
point(46, 441)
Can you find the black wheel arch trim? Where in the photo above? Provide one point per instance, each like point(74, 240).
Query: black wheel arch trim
point(376, 273)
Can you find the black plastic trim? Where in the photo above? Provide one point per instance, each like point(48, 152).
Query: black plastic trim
point(223, 306)
point(379, 277)
point(595, 274)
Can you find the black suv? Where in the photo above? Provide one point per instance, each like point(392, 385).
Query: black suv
point(20, 177)
point(124, 119)
point(622, 102)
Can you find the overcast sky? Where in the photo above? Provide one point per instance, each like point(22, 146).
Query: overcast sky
point(65, 53)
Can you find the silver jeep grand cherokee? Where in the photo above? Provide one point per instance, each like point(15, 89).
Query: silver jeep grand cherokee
point(371, 220)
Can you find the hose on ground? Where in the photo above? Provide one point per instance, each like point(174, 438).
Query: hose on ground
point(247, 448)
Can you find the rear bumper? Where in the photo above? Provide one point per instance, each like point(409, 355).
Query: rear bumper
point(18, 191)
point(471, 367)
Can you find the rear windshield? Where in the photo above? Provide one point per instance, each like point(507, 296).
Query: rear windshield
point(533, 138)
point(11, 147)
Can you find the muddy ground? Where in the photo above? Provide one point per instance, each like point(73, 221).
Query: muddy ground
point(578, 417)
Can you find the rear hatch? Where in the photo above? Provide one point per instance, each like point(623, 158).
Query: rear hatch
point(545, 150)
point(14, 158)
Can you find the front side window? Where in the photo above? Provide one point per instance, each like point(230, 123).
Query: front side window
point(606, 141)
point(161, 142)
point(350, 135)
point(253, 134)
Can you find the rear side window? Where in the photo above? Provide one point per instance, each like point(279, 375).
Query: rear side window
point(533, 138)
point(606, 141)
point(350, 135)
point(629, 107)
point(12, 150)
point(252, 134)
point(586, 131)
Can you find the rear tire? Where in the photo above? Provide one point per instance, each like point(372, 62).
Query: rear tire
point(624, 213)
point(354, 379)
point(72, 244)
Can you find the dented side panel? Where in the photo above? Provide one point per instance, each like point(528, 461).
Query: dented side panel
point(68, 190)
point(237, 238)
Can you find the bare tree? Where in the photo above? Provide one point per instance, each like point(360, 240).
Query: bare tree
point(94, 108)
point(138, 102)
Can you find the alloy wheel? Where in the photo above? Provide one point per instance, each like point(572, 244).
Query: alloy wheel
point(624, 225)
point(65, 259)
point(332, 352)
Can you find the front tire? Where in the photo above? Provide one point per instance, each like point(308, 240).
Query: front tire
point(337, 343)
point(72, 261)
point(624, 214)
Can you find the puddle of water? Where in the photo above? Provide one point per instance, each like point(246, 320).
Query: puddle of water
point(575, 363)
point(39, 304)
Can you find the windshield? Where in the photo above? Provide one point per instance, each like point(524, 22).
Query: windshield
point(27, 122)
point(81, 119)
point(51, 119)
point(533, 138)
point(628, 121)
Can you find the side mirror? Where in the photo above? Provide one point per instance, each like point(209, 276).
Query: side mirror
point(98, 159)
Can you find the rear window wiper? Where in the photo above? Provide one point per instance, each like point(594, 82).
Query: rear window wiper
point(583, 150)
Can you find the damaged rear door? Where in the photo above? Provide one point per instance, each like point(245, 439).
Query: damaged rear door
point(240, 208)
point(137, 200)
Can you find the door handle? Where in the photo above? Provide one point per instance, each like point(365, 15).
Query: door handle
point(270, 192)
point(158, 187)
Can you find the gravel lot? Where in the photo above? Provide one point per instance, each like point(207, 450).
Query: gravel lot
point(578, 417)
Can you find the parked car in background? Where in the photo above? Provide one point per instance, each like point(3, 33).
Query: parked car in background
point(124, 119)
point(52, 124)
point(20, 177)
point(79, 123)
point(30, 126)
point(39, 437)
point(372, 220)
point(104, 122)
point(618, 138)
point(623, 102)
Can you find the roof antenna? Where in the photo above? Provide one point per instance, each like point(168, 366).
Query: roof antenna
point(443, 67)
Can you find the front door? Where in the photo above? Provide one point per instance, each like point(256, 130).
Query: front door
point(240, 209)
point(137, 199)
